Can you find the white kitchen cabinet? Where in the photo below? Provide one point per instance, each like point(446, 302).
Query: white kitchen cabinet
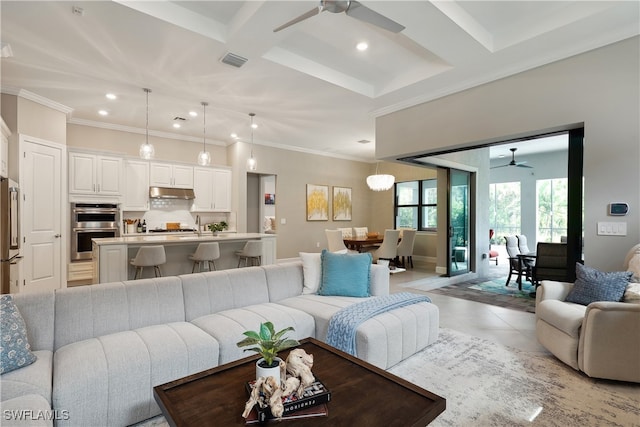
point(170, 175)
point(212, 187)
point(136, 186)
point(94, 174)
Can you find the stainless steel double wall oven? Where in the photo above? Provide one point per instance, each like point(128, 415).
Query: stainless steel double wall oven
point(92, 221)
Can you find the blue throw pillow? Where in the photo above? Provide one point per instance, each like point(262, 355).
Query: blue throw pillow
point(15, 351)
point(345, 274)
point(592, 285)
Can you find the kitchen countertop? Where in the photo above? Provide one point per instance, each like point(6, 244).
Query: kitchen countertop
point(172, 238)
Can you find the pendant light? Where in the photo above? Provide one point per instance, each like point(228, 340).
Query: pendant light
point(146, 150)
point(252, 164)
point(380, 182)
point(204, 158)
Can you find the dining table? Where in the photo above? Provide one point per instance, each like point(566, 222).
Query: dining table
point(359, 244)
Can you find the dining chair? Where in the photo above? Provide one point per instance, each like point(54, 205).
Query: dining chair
point(515, 264)
point(551, 262)
point(347, 232)
point(389, 247)
point(361, 232)
point(335, 241)
point(405, 247)
point(522, 244)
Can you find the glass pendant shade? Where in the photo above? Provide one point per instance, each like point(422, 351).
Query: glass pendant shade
point(204, 158)
point(252, 163)
point(380, 182)
point(147, 151)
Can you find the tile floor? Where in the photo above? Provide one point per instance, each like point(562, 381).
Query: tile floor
point(502, 325)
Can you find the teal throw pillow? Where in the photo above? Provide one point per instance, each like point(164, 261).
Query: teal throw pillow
point(592, 285)
point(345, 274)
point(15, 351)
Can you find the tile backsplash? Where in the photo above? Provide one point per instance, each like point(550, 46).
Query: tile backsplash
point(168, 210)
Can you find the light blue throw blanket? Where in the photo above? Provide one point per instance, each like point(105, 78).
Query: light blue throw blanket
point(342, 326)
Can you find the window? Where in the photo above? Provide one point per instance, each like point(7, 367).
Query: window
point(552, 209)
point(504, 209)
point(416, 204)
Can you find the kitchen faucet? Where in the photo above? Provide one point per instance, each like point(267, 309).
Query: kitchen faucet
point(198, 228)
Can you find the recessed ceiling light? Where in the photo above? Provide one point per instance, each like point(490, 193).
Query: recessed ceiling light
point(176, 125)
point(362, 46)
point(254, 125)
point(193, 114)
point(111, 96)
point(103, 112)
point(234, 135)
point(364, 141)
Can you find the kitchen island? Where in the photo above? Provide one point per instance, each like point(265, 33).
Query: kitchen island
point(112, 256)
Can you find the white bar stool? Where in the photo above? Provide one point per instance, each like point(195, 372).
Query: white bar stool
point(205, 252)
point(252, 251)
point(149, 256)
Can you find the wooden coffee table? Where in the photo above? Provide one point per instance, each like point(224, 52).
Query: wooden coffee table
point(361, 394)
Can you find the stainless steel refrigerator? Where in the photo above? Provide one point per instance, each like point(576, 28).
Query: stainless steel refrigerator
point(9, 234)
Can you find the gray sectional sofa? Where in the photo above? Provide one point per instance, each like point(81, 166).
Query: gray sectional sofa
point(102, 348)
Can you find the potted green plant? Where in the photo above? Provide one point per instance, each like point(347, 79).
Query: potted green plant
point(216, 227)
point(267, 343)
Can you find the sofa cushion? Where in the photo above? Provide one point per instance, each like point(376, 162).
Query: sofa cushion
point(228, 326)
point(212, 292)
point(632, 293)
point(592, 285)
point(15, 351)
point(84, 312)
point(634, 267)
point(32, 379)
point(284, 280)
point(384, 340)
point(38, 311)
point(565, 316)
point(345, 274)
point(31, 411)
point(109, 380)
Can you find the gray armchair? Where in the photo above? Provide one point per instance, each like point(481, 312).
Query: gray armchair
point(551, 262)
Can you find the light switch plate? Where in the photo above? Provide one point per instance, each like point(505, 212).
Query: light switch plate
point(612, 228)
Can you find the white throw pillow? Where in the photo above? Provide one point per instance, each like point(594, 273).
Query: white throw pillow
point(632, 293)
point(634, 267)
point(311, 270)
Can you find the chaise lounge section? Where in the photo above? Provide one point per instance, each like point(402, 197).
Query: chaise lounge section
point(102, 348)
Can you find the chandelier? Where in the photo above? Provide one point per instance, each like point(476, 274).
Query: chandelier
point(380, 182)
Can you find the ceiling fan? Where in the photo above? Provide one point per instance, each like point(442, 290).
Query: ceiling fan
point(353, 9)
point(513, 161)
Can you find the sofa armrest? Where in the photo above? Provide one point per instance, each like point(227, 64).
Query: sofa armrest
point(550, 289)
point(610, 341)
point(379, 280)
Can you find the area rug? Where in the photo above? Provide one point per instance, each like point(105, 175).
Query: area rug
point(487, 384)
point(493, 292)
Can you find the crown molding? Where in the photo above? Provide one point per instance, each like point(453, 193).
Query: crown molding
point(22, 93)
point(141, 131)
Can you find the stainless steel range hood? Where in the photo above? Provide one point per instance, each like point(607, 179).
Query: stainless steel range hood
point(171, 193)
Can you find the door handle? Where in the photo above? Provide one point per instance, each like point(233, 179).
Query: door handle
point(57, 236)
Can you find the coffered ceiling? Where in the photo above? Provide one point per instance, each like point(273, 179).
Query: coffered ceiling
point(310, 88)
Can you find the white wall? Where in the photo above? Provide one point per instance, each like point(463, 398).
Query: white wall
point(599, 89)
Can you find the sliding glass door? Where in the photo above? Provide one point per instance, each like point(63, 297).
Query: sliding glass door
point(458, 221)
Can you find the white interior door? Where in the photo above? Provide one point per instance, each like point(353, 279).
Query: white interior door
point(41, 183)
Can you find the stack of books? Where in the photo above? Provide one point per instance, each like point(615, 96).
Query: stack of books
point(312, 403)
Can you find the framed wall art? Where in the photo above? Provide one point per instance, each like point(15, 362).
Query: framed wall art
point(317, 202)
point(341, 204)
point(269, 199)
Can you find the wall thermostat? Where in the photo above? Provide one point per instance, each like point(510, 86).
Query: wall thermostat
point(618, 209)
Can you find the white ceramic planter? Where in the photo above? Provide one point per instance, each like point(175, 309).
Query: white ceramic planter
point(268, 372)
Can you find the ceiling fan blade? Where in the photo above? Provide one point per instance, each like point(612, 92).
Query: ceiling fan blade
point(363, 13)
point(501, 166)
point(312, 12)
point(520, 165)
